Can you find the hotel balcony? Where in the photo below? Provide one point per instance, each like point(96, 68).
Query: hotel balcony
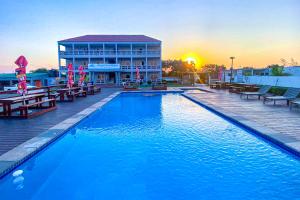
point(126, 68)
point(109, 53)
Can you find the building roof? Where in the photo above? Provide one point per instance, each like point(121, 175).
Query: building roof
point(111, 38)
point(12, 76)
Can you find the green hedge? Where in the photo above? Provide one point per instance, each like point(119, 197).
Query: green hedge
point(278, 90)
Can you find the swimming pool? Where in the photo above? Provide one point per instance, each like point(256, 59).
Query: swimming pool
point(156, 146)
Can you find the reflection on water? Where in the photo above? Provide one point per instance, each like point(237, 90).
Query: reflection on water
point(18, 179)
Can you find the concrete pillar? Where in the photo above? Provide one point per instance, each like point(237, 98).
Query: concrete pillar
point(103, 46)
point(89, 53)
point(146, 77)
point(73, 62)
point(131, 65)
point(116, 78)
point(59, 61)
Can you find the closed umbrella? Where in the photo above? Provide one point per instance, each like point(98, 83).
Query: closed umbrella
point(21, 75)
point(220, 74)
point(70, 76)
point(81, 75)
point(138, 77)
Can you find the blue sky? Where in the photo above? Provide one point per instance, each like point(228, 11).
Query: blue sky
point(257, 32)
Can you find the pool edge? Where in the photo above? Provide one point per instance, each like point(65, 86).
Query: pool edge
point(18, 155)
point(255, 128)
point(15, 157)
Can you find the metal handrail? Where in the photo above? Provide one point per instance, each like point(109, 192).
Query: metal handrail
point(109, 52)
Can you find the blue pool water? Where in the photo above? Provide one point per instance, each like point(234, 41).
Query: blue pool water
point(141, 146)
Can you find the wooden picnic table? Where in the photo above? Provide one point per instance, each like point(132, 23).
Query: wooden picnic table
point(243, 87)
point(66, 92)
point(236, 89)
point(7, 102)
point(91, 89)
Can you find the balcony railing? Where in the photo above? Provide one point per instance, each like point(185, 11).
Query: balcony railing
point(123, 68)
point(109, 53)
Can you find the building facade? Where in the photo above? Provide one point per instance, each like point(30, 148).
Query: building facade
point(34, 79)
point(112, 59)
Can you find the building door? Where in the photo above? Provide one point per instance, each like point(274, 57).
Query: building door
point(38, 83)
point(112, 77)
point(101, 78)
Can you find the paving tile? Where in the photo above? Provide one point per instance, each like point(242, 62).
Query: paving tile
point(275, 121)
point(5, 164)
point(18, 131)
point(17, 154)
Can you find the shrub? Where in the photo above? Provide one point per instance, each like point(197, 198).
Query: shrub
point(278, 90)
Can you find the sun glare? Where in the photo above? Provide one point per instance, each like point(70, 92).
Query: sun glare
point(193, 58)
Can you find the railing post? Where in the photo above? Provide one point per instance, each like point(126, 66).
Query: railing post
point(48, 91)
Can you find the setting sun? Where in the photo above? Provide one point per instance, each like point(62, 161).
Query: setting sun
point(193, 58)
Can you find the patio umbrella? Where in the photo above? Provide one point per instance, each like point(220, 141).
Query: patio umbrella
point(70, 75)
point(21, 75)
point(81, 75)
point(220, 74)
point(138, 77)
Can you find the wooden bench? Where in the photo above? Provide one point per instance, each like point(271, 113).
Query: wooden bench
point(54, 95)
point(236, 89)
point(159, 87)
point(72, 95)
point(294, 104)
point(213, 86)
point(37, 105)
point(216, 86)
point(80, 93)
point(129, 87)
point(92, 89)
point(97, 89)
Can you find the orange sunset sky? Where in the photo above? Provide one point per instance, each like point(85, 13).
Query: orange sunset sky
point(256, 32)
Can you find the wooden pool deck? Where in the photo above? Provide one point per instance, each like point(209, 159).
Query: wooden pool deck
point(276, 121)
point(14, 132)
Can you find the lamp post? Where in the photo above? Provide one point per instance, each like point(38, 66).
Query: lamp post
point(231, 68)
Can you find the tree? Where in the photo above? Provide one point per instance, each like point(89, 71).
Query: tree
point(276, 70)
point(176, 67)
point(292, 62)
point(51, 72)
point(212, 68)
point(40, 70)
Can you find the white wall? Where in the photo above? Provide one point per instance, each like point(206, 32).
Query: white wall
point(295, 71)
point(283, 81)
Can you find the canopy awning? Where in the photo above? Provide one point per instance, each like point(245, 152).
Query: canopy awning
point(104, 67)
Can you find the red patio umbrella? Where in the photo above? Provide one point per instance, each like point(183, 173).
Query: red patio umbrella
point(21, 74)
point(138, 77)
point(220, 74)
point(81, 75)
point(70, 75)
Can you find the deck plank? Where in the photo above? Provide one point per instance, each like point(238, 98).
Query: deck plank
point(14, 132)
point(275, 117)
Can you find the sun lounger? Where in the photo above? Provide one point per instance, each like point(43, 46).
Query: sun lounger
point(289, 95)
point(159, 86)
point(130, 86)
point(294, 103)
point(262, 91)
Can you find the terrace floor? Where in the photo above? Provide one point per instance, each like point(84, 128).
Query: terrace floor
point(14, 132)
point(275, 120)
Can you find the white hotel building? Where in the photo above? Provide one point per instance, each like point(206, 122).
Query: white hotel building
point(112, 59)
